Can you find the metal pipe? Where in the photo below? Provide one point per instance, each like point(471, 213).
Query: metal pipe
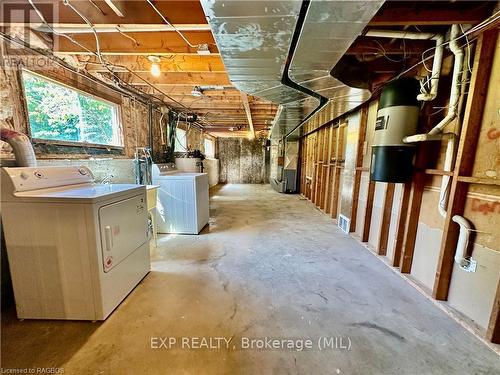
point(287, 81)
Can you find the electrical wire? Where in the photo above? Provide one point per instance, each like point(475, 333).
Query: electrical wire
point(136, 43)
point(52, 30)
point(98, 54)
point(468, 49)
point(479, 26)
point(91, 25)
point(172, 26)
point(64, 65)
point(384, 52)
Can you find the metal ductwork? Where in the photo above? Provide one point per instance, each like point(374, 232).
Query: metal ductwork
point(284, 52)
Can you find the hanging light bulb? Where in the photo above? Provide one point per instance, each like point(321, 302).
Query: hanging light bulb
point(155, 67)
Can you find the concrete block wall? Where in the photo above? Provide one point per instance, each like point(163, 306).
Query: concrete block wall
point(242, 161)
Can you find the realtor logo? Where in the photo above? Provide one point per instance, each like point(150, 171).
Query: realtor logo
point(20, 21)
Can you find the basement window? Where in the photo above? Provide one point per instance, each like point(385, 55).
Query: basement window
point(209, 148)
point(60, 114)
point(180, 140)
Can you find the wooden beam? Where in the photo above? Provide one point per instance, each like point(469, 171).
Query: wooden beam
point(329, 171)
point(336, 165)
point(175, 78)
point(136, 12)
point(410, 237)
point(364, 45)
point(471, 127)
point(358, 164)
point(176, 63)
point(137, 43)
point(368, 212)
point(401, 224)
point(386, 219)
point(78, 28)
point(248, 112)
point(406, 13)
point(493, 331)
point(116, 10)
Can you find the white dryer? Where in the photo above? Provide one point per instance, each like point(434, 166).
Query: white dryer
point(182, 200)
point(76, 249)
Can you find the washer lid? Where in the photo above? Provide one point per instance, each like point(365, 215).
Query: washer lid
point(181, 175)
point(82, 192)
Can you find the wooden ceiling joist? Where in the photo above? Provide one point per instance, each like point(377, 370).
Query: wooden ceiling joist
point(175, 63)
point(182, 78)
point(136, 12)
point(140, 43)
point(420, 13)
point(115, 8)
point(367, 45)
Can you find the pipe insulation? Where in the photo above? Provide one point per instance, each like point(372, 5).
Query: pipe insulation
point(21, 147)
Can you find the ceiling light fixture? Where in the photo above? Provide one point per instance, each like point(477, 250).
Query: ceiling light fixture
point(155, 67)
point(196, 91)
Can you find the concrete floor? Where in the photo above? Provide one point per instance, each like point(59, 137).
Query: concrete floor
point(269, 265)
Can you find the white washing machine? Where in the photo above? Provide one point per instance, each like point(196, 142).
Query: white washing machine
point(182, 200)
point(76, 249)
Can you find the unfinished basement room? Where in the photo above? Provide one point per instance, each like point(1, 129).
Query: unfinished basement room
point(250, 187)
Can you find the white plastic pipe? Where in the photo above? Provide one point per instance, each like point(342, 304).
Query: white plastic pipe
point(445, 182)
point(21, 147)
point(463, 240)
point(438, 55)
point(458, 54)
point(436, 132)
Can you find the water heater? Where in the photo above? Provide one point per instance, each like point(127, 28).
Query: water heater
point(397, 117)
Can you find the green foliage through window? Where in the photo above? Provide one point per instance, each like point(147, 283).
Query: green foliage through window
point(59, 113)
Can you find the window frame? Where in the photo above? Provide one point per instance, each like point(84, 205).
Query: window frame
point(213, 148)
point(185, 146)
point(68, 145)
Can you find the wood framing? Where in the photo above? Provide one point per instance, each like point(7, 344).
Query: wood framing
point(493, 331)
point(401, 224)
point(359, 164)
point(368, 211)
point(328, 171)
point(248, 113)
point(337, 168)
point(386, 219)
point(137, 43)
point(410, 236)
point(473, 116)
